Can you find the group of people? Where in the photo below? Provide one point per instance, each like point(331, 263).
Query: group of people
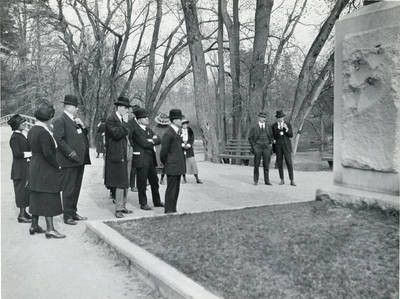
point(51, 159)
point(265, 140)
point(128, 127)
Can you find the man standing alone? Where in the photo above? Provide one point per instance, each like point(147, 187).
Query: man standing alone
point(72, 155)
point(173, 158)
point(282, 133)
point(261, 139)
point(116, 169)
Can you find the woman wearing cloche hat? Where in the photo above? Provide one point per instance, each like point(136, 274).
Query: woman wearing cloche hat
point(20, 166)
point(45, 199)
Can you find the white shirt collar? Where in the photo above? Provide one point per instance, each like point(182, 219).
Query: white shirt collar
point(119, 116)
point(175, 127)
point(142, 126)
point(261, 125)
point(69, 115)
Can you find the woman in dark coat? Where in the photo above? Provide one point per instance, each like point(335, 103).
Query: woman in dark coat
point(101, 128)
point(19, 170)
point(45, 199)
point(188, 140)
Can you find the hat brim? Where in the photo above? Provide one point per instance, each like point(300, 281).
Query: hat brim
point(69, 103)
point(122, 104)
point(280, 115)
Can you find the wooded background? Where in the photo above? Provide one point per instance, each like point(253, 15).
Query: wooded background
point(220, 61)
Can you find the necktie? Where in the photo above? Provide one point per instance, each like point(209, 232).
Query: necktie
point(180, 132)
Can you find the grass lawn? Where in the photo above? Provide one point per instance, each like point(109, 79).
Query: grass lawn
point(302, 250)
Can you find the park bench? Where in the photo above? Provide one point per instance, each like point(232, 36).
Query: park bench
point(327, 155)
point(237, 151)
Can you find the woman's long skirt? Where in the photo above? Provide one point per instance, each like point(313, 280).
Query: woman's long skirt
point(21, 193)
point(45, 204)
point(191, 166)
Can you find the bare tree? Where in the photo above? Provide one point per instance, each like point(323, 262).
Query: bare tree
point(232, 27)
point(204, 101)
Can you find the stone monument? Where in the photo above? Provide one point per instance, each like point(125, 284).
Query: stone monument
point(367, 105)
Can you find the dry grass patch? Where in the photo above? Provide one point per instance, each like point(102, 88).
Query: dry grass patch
point(302, 250)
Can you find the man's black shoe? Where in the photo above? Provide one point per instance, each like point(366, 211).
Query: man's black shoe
point(159, 205)
point(145, 207)
point(79, 218)
point(70, 221)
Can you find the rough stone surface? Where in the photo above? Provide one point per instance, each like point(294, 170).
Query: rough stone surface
point(371, 100)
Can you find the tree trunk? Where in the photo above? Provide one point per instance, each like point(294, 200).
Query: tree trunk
point(234, 55)
point(305, 76)
point(221, 79)
point(205, 105)
point(256, 86)
point(152, 56)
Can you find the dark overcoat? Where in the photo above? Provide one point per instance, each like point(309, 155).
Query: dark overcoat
point(171, 154)
point(190, 152)
point(44, 172)
point(71, 137)
point(282, 137)
point(20, 165)
point(116, 171)
point(142, 148)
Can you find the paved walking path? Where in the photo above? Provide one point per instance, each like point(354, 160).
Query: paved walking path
point(76, 268)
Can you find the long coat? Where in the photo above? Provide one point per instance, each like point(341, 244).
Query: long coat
point(44, 172)
point(141, 146)
point(70, 137)
point(116, 172)
point(190, 152)
point(19, 144)
point(171, 154)
point(282, 137)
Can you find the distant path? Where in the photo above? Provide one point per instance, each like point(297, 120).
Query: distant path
point(79, 269)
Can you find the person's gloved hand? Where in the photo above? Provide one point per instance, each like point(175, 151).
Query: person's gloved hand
point(73, 156)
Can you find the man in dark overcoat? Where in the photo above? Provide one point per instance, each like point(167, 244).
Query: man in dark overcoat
point(173, 158)
point(144, 158)
point(260, 139)
point(116, 167)
point(282, 132)
point(72, 155)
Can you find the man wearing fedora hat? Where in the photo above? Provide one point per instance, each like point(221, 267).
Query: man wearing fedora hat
point(144, 159)
point(260, 139)
point(21, 152)
point(116, 166)
point(72, 155)
point(173, 158)
point(282, 132)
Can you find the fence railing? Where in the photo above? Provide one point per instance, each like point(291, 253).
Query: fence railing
point(30, 121)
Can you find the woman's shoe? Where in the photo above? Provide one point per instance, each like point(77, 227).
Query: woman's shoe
point(37, 230)
point(54, 234)
point(23, 219)
point(27, 215)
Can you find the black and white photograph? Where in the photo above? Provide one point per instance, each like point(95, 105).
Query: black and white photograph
point(165, 149)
